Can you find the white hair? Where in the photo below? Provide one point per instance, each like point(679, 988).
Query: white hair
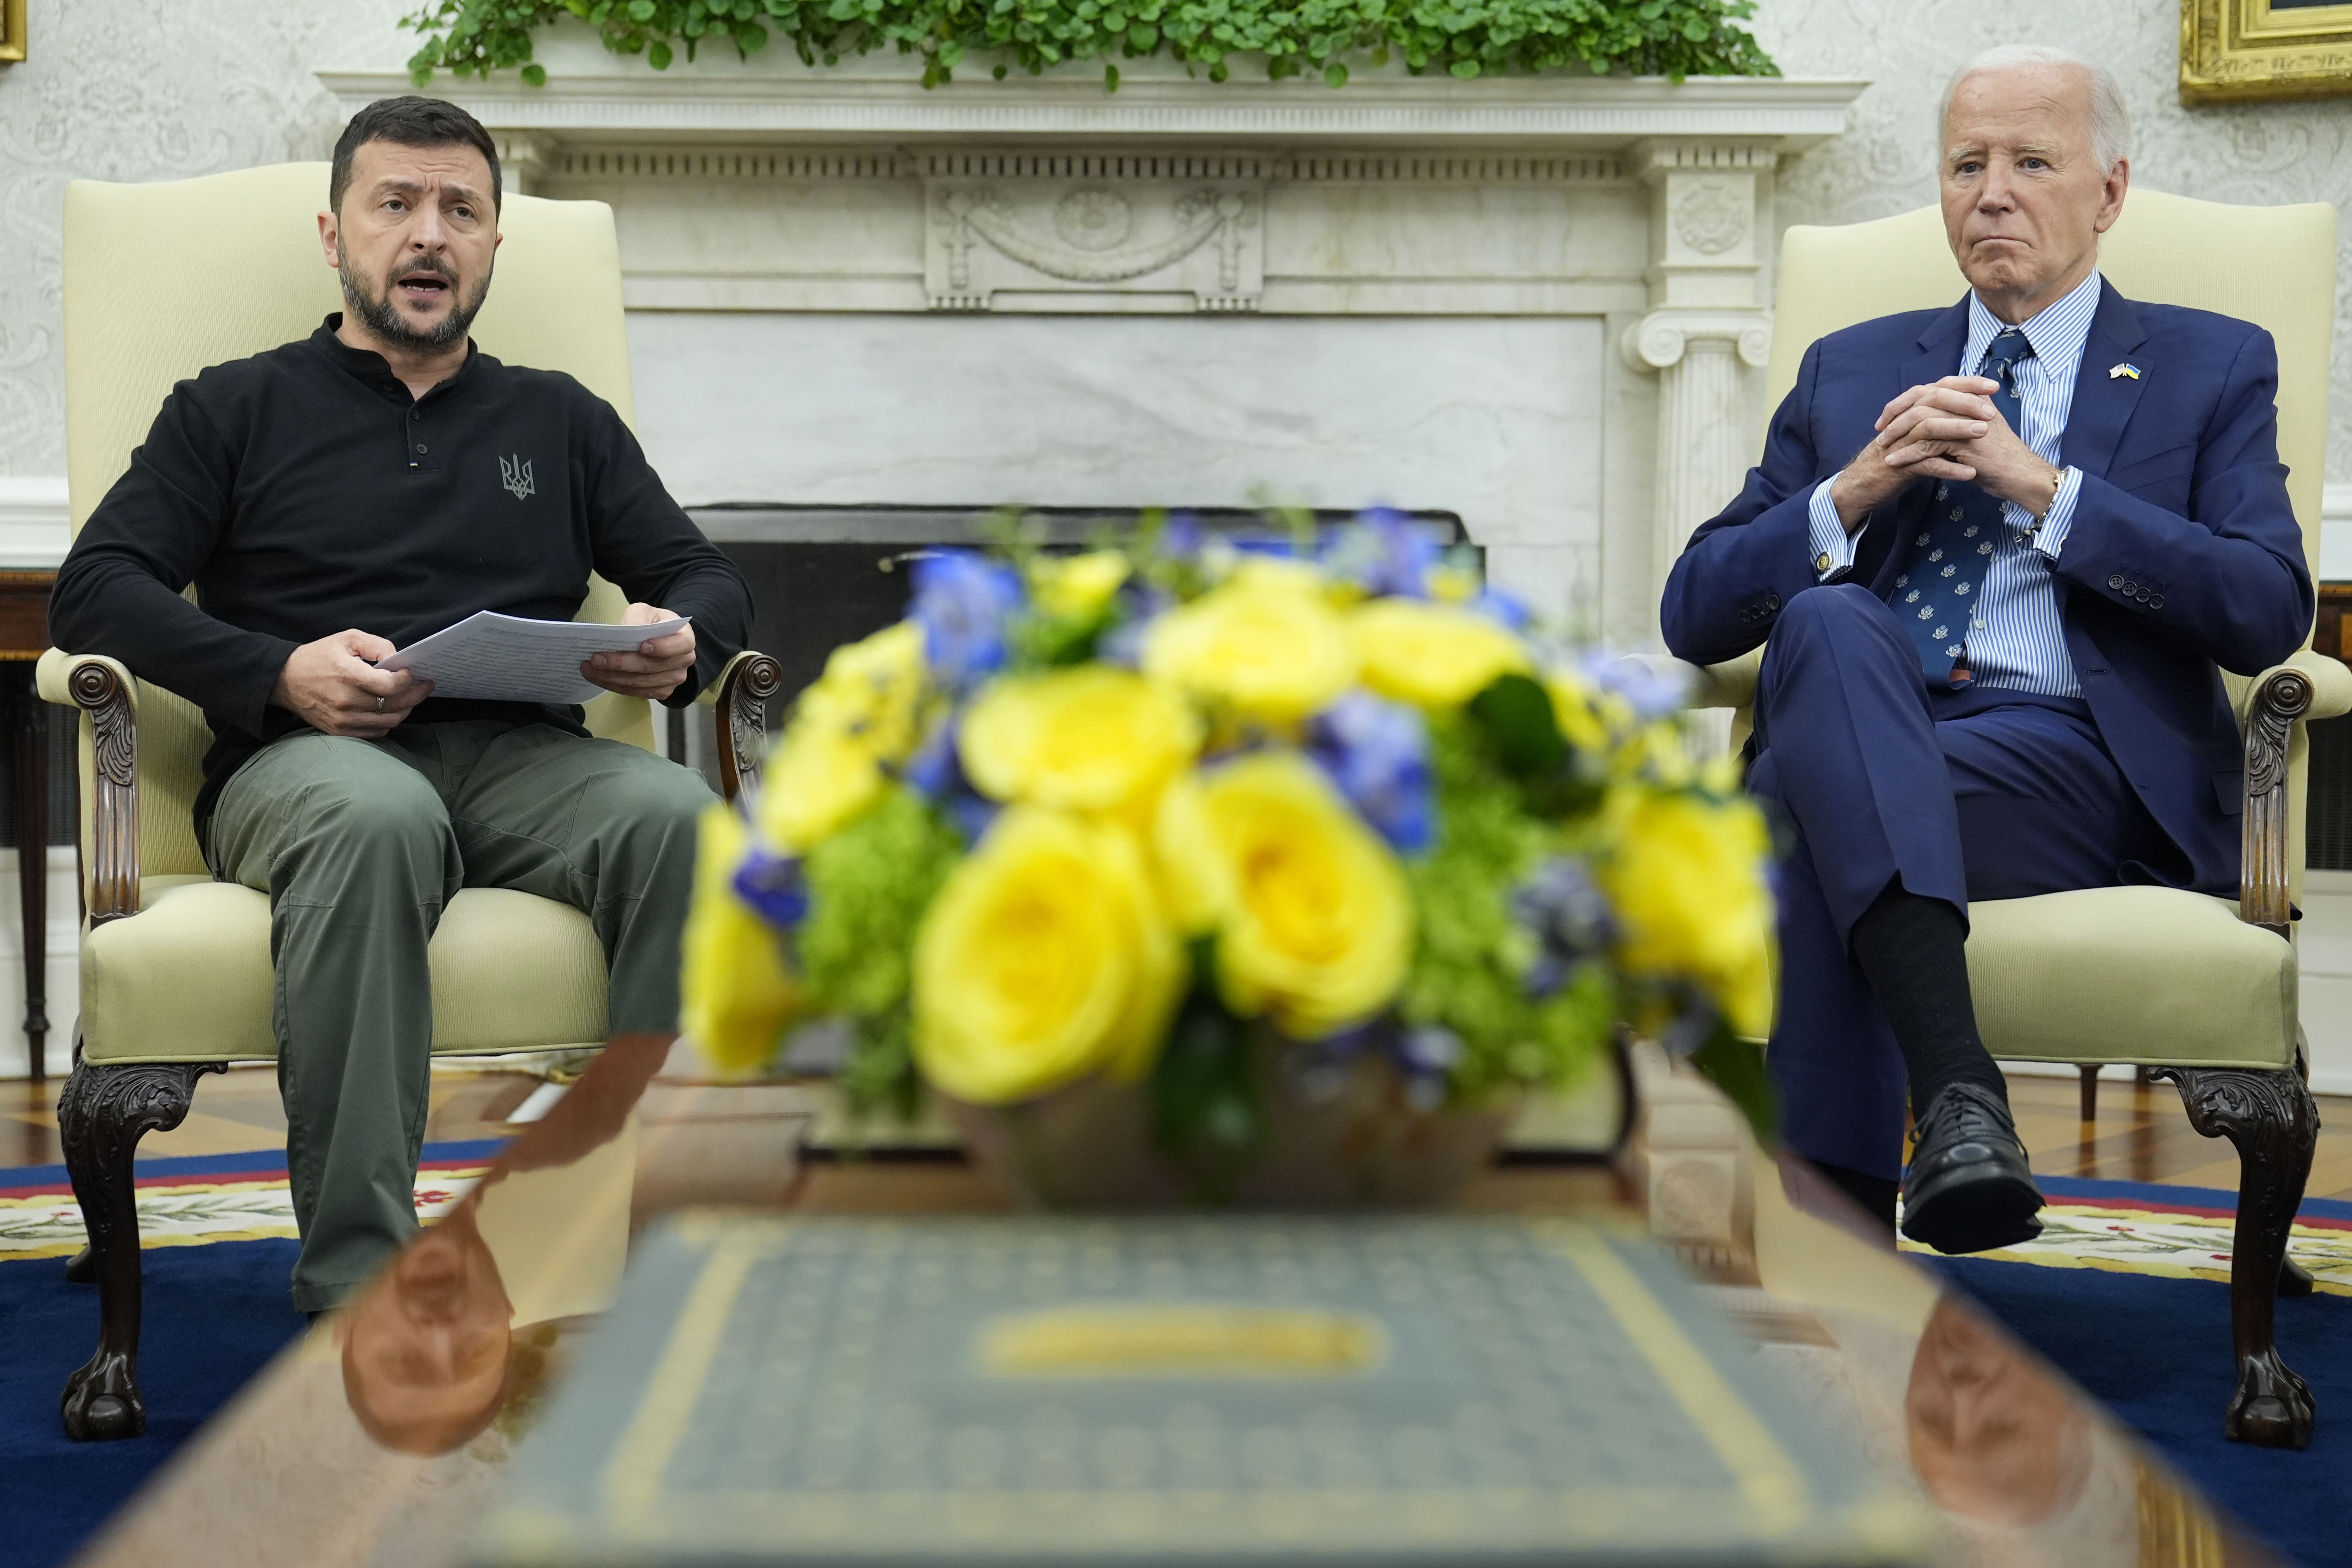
point(2110, 121)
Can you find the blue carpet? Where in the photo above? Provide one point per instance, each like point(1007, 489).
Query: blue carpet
point(2155, 1352)
point(213, 1315)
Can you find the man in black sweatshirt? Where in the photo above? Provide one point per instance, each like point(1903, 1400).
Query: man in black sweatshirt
point(337, 499)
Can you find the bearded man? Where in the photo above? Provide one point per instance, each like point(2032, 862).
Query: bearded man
point(332, 500)
point(2003, 552)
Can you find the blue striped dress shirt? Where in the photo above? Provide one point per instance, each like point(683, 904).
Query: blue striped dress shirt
point(2017, 638)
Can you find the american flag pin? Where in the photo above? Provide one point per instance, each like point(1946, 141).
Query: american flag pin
point(2122, 370)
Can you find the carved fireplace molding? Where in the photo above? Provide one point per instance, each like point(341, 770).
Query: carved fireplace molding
point(1644, 204)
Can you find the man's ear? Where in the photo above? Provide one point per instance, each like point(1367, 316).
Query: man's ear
point(330, 240)
point(2111, 198)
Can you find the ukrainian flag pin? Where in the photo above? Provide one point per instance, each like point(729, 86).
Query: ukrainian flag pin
point(2126, 369)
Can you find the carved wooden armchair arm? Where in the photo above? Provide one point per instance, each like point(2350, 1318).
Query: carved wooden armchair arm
point(106, 691)
point(740, 694)
point(2307, 686)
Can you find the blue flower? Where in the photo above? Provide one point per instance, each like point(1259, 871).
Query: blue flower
point(1425, 1056)
point(961, 600)
point(1384, 552)
point(1567, 912)
point(936, 767)
point(773, 885)
point(1378, 754)
point(1502, 604)
point(1652, 695)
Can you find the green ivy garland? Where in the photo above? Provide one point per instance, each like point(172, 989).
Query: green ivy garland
point(1465, 38)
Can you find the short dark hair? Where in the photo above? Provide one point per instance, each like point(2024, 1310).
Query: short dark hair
point(410, 122)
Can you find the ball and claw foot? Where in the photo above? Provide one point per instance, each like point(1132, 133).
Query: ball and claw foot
point(2273, 1407)
point(102, 1401)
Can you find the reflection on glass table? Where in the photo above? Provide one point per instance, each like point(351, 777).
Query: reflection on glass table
point(387, 1435)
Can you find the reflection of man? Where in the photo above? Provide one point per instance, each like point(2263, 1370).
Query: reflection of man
point(344, 495)
point(1994, 1437)
point(426, 1348)
point(2001, 550)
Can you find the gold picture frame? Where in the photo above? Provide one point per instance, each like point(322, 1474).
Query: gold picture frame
point(12, 30)
point(2232, 50)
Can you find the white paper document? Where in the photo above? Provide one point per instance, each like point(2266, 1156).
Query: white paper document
point(505, 658)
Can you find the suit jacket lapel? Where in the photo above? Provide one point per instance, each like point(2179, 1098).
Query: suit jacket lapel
point(1935, 356)
point(2104, 404)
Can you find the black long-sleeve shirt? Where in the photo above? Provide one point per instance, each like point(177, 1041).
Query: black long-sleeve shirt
point(305, 492)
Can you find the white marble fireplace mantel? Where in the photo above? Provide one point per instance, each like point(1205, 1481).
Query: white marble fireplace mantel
point(1540, 303)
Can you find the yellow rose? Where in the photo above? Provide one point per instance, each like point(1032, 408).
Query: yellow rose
point(1686, 880)
point(1044, 958)
point(871, 692)
point(736, 994)
point(1091, 738)
point(1584, 712)
point(1313, 920)
point(1431, 655)
point(1266, 643)
point(1075, 586)
point(819, 779)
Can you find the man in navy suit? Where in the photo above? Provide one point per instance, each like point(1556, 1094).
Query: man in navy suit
point(2002, 552)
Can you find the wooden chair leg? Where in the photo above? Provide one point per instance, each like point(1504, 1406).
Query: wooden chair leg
point(2090, 1092)
point(2272, 1120)
point(102, 1113)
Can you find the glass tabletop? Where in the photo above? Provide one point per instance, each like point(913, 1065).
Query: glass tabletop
point(384, 1435)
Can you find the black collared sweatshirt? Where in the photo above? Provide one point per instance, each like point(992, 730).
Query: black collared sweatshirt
point(305, 492)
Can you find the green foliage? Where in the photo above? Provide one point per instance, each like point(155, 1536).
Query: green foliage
point(1204, 1107)
point(1470, 958)
point(1736, 1067)
point(869, 885)
point(1463, 39)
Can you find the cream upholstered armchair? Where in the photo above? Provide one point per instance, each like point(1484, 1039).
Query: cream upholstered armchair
point(175, 968)
point(2195, 989)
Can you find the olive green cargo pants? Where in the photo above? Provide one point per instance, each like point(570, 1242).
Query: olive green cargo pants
point(360, 844)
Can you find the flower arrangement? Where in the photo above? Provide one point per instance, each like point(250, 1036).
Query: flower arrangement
point(1131, 815)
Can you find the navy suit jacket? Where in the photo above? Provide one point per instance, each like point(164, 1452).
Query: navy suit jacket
point(2183, 555)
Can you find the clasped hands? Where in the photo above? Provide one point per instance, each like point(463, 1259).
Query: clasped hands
point(335, 687)
point(1947, 429)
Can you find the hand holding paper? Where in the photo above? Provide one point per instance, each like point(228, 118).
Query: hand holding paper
point(504, 659)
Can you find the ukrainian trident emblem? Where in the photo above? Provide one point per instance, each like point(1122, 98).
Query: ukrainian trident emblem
point(517, 475)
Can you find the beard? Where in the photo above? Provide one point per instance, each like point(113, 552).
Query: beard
point(385, 323)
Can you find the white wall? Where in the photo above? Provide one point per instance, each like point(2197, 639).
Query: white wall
point(1497, 419)
point(150, 89)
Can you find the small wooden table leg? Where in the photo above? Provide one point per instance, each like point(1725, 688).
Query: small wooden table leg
point(2090, 1092)
point(30, 739)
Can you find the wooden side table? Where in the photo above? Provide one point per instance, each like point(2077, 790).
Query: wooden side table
point(24, 734)
point(2327, 635)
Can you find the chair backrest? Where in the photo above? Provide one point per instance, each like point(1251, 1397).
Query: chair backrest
point(556, 305)
point(2275, 266)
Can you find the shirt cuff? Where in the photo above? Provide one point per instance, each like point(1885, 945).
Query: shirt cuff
point(2051, 537)
point(1832, 545)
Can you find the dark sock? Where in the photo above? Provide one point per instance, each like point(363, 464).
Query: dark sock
point(1875, 1196)
point(1914, 952)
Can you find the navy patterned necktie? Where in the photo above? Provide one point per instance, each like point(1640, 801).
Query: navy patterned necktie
point(1937, 588)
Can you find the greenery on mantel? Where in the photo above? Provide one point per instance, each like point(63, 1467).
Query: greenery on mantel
point(1464, 38)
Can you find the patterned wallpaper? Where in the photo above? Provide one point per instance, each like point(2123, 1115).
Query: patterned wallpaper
point(152, 90)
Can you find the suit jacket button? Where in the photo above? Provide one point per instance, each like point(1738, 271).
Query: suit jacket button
point(2157, 603)
point(1772, 602)
point(2131, 589)
point(2116, 581)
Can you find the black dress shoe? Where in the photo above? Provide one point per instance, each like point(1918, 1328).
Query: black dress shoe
point(1968, 1188)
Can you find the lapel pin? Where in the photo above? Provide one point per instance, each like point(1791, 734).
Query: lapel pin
point(2126, 369)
